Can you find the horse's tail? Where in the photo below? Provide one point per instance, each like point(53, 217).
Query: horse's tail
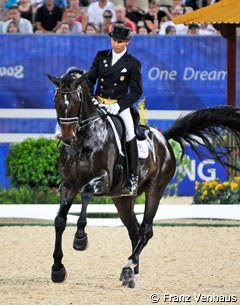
point(209, 128)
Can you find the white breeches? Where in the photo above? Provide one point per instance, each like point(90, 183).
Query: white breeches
point(128, 122)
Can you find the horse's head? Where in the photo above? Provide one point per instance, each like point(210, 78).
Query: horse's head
point(68, 100)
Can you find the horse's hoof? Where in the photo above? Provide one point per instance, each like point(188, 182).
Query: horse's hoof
point(127, 278)
point(80, 244)
point(59, 276)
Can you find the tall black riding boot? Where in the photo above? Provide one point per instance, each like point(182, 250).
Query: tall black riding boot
point(131, 187)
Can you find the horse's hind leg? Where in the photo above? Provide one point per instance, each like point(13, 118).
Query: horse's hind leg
point(153, 196)
point(125, 207)
point(145, 232)
point(58, 270)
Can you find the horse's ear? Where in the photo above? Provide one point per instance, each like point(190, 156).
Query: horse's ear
point(81, 79)
point(84, 76)
point(53, 79)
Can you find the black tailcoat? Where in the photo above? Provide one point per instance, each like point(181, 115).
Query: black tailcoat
point(122, 81)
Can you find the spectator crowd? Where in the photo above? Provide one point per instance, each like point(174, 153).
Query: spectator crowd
point(143, 17)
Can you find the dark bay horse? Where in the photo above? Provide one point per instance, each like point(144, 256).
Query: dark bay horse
point(89, 158)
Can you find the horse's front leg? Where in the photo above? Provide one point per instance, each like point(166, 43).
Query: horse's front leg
point(58, 270)
point(80, 242)
point(98, 185)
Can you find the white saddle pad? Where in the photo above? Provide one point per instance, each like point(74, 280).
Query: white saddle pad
point(143, 149)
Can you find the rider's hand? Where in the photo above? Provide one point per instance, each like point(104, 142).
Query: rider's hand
point(113, 109)
point(104, 106)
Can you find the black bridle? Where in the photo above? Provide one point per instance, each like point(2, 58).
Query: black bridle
point(72, 120)
point(78, 119)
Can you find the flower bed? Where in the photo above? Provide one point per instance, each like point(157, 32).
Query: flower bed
point(216, 192)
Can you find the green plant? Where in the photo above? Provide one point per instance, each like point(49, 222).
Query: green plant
point(45, 195)
point(28, 195)
point(182, 163)
point(34, 162)
point(215, 192)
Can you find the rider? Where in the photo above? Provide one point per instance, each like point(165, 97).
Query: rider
point(119, 86)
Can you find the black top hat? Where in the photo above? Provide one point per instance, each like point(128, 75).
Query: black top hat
point(120, 32)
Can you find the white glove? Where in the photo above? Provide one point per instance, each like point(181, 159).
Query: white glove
point(113, 109)
point(95, 101)
point(104, 106)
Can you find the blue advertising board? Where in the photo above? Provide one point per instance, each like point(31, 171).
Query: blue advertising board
point(199, 170)
point(4, 151)
point(179, 73)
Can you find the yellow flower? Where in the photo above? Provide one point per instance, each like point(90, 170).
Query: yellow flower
point(237, 181)
point(218, 187)
point(142, 112)
point(234, 185)
point(215, 190)
point(197, 185)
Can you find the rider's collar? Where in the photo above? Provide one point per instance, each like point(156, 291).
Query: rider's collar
point(117, 56)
